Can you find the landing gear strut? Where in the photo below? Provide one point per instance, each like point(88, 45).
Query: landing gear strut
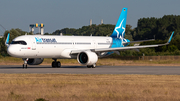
point(56, 63)
point(91, 66)
point(25, 63)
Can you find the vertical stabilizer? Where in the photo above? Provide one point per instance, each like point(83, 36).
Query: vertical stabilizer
point(7, 40)
point(119, 30)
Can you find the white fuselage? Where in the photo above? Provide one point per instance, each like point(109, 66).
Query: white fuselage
point(47, 46)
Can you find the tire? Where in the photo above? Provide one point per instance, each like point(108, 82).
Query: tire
point(53, 64)
point(58, 64)
point(89, 66)
point(94, 66)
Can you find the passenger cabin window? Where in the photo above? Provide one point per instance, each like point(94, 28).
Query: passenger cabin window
point(19, 42)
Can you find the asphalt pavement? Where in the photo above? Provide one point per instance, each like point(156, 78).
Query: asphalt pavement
point(152, 70)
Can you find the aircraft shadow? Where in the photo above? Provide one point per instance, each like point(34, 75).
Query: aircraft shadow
point(38, 67)
point(75, 66)
point(19, 67)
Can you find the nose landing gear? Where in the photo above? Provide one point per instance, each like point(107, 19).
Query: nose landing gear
point(56, 63)
point(25, 63)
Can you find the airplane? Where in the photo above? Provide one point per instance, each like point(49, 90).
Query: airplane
point(86, 49)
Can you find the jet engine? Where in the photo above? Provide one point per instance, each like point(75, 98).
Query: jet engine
point(35, 61)
point(87, 58)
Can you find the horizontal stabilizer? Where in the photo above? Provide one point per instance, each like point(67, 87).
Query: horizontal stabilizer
point(138, 41)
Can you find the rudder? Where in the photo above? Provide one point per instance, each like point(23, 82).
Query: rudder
point(119, 30)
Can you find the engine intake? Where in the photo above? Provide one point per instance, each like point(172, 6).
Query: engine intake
point(87, 58)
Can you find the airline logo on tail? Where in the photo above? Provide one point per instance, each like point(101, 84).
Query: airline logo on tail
point(120, 28)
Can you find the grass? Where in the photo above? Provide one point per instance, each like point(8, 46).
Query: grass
point(101, 61)
point(77, 87)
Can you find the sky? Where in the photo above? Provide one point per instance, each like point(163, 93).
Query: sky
point(59, 14)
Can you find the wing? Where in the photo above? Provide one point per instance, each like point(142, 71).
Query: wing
point(127, 48)
point(122, 48)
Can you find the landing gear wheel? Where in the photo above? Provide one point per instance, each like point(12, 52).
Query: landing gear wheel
point(24, 66)
point(91, 66)
point(25, 63)
point(94, 66)
point(56, 63)
point(53, 64)
point(88, 66)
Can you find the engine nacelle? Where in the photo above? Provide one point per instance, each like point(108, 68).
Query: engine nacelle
point(35, 61)
point(87, 58)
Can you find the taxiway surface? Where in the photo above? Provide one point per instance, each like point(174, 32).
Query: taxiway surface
point(157, 70)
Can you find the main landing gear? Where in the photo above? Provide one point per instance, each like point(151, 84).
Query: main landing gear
point(91, 66)
point(56, 63)
point(25, 63)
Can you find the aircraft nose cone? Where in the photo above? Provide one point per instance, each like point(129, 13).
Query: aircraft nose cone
point(11, 51)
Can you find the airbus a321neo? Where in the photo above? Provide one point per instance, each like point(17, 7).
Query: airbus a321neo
point(34, 48)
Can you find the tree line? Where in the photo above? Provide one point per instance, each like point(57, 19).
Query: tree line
point(159, 29)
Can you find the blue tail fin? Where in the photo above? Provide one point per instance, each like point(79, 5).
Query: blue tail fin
point(119, 30)
point(7, 40)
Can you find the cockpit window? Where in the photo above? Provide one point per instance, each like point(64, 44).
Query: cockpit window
point(19, 42)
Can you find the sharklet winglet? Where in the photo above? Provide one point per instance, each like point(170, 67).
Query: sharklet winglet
point(7, 40)
point(170, 37)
